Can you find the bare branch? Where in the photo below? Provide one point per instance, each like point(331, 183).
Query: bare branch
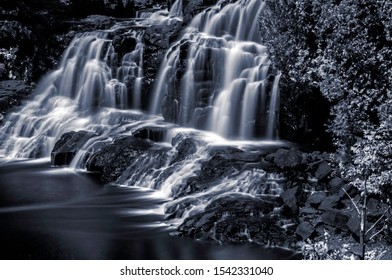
point(353, 202)
point(374, 225)
point(377, 233)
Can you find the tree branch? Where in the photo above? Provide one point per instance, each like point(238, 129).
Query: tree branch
point(377, 233)
point(374, 225)
point(352, 201)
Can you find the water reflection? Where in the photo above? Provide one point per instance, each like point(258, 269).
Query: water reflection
point(48, 213)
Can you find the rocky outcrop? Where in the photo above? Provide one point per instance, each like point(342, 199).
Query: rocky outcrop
point(237, 219)
point(157, 40)
point(68, 145)
point(193, 7)
point(294, 204)
point(11, 94)
point(285, 158)
point(113, 158)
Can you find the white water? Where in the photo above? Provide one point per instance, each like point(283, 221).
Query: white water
point(225, 82)
point(89, 92)
point(85, 92)
point(176, 9)
point(165, 17)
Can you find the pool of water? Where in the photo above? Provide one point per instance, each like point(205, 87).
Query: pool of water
point(56, 213)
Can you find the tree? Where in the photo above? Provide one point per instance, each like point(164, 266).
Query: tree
point(342, 48)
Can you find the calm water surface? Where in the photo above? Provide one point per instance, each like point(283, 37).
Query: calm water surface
point(55, 213)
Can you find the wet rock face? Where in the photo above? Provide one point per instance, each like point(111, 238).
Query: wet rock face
point(237, 219)
point(157, 40)
point(193, 7)
point(284, 158)
point(11, 93)
point(67, 147)
point(112, 159)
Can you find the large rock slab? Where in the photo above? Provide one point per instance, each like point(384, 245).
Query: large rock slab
point(68, 145)
point(113, 158)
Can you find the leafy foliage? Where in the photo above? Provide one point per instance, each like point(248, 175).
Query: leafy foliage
point(344, 49)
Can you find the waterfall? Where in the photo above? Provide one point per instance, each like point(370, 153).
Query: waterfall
point(176, 9)
point(216, 77)
point(87, 90)
point(273, 114)
point(166, 17)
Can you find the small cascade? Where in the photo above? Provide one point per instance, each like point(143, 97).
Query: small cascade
point(88, 85)
point(143, 15)
point(217, 78)
point(273, 114)
point(165, 17)
point(176, 9)
point(130, 72)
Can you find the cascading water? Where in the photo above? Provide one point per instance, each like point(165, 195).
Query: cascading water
point(217, 76)
point(176, 9)
point(167, 17)
point(87, 90)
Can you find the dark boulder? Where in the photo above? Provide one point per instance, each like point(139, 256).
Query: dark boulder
point(68, 145)
point(91, 23)
point(316, 199)
point(335, 185)
point(284, 158)
point(336, 218)
point(185, 148)
point(155, 134)
point(124, 43)
point(113, 158)
point(237, 219)
point(292, 200)
point(305, 230)
point(330, 202)
point(31, 37)
point(238, 205)
point(323, 170)
point(3, 71)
